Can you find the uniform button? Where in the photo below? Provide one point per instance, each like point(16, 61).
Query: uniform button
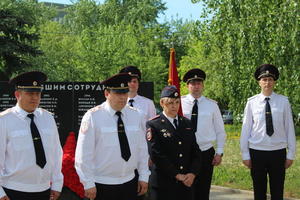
point(181, 167)
point(179, 142)
point(180, 155)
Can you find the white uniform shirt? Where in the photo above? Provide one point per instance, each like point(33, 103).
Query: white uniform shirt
point(98, 155)
point(254, 134)
point(210, 125)
point(145, 105)
point(18, 168)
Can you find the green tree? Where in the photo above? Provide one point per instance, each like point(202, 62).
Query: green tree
point(19, 20)
point(241, 35)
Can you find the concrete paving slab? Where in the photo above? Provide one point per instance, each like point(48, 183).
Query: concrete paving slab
point(224, 193)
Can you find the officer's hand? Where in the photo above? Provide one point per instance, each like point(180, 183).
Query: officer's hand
point(288, 163)
point(217, 160)
point(247, 163)
point(4, 198)
point(180, 177)
point(90, 193)
point(190, 177)
point(142, 187)
point(54, 195)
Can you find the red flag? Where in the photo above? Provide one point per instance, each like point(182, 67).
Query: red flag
point(173, 75)
point(71, 179)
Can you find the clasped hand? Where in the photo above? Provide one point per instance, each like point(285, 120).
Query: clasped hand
point(186, 179)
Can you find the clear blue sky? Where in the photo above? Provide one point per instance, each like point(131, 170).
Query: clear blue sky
point(176, 8)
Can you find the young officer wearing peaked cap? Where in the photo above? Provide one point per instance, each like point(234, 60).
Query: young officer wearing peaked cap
point(30, 151)
point(208, 126)
point(173, 149)
point(144, 104)
point(267, 132)
point(111, 145)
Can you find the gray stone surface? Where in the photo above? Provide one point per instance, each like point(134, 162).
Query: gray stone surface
point(223, 193)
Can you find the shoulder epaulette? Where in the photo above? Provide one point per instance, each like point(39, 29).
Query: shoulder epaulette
point(184, 96)
point(5, 112)
point(212, 100)
point(47, 111)
point(144, 97)
point(155, 117)
point(182, 117)
point(133, 108)
point(250, 98)
point(94, 109)
point(285, 97)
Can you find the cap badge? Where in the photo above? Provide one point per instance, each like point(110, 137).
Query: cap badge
point(195, 76)
point(34, 83)
point(267, 72)
point(176, 94)
point(129, 73)
point(122, 84)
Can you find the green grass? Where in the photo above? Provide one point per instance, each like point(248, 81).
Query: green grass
point(232, 173)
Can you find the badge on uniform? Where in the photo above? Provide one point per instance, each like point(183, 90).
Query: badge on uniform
point(149, 134)
point(84, 127)
point(167, 135)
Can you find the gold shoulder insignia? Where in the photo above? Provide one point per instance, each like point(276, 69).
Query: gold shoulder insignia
point(94, 109)
point(5, 112)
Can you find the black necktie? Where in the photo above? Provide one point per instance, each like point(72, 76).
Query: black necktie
point(131, 102)
point(124, 146)
point(194, 117)
point(175, 123)
point(40, 157)
point(269, 122)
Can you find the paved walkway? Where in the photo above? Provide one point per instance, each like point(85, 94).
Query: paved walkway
point(223, 193)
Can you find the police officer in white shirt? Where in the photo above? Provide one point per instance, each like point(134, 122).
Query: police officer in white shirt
point(267, 132)
point(144, 104)
point(111, 145)
point(30, 150)
point(208, 126)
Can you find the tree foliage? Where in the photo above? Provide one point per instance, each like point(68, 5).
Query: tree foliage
point(242, 35)
point(17, 35)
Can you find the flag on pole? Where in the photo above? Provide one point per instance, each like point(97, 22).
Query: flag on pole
point(173, 75)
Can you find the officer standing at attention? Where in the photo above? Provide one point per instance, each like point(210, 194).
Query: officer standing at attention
point(208, 126)
point(111, 145)
point(173, 150)
point(267, 131)
point(30, 150)
point(144, 104)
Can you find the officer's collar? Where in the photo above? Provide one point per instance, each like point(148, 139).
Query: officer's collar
point(111, 111)
point(170, 118)
point(191, 98)
point(263, 97)
point(22, 113)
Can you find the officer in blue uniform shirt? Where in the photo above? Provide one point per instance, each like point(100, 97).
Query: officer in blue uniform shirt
point(173, 150)
point(267, 132)
point(30, 150)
